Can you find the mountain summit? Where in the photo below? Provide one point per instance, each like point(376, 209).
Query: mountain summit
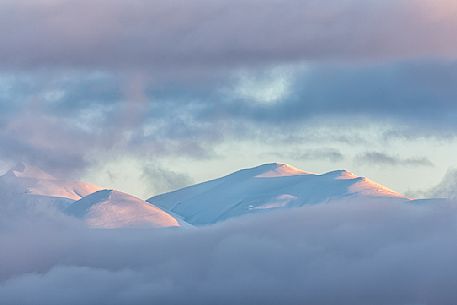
point(113, 209)
point(22, 170)
point(26, 184)
point(264, 188)
point(28, 179)
point(270, 170)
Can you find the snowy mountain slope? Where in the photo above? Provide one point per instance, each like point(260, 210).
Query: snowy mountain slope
point(30, 184)
point(263, 188)
point(112, 209)
point(32, 180)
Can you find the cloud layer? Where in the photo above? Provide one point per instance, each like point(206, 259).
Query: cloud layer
point(378, 158)
point(177, 33)
point(343, 253)
point(86, 81)
point(447, 188)
point(64, 123)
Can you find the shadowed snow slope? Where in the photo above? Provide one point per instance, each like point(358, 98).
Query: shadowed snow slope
point(113, 209)
point(263, 188)
point(31, 184)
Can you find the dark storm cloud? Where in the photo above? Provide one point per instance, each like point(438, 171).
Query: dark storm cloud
point(342, 253)
point(174, 33)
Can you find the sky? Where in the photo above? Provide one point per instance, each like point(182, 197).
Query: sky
point(149, 96)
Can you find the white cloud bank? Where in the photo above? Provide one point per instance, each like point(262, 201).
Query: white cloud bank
point(346, 253)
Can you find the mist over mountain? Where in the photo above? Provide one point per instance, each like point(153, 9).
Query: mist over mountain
point(262, 189)
point(265, 188)
point(267, 234)
point(228, 152)
point(26, 183)
point(113, 209)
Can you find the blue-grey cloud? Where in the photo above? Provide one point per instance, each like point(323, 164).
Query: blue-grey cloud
point(161, 180)
point(327, 154)
point(109, 111)
point(415, 91)
point(447, 188)
point(384, 159)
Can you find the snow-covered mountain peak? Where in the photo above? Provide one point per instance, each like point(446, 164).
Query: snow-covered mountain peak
point(81, 207)
point(114, 209)
point(267, 187)
point(280, 170)
point(22, 170)
point(368, 187)
point(341, 174)
point(31, 180)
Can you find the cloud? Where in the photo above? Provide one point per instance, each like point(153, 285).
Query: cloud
point(109, 111)
point(379, 158)
point(328, 154)
point(64, 123)
point(44, 141)
point(409, 93)
point(203, 33)
point(161, 180)
point(447, 188)
point(68, 120)
point(341, 253)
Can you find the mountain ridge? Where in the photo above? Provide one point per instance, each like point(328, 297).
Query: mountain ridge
point(263, 188)
point(110, 209)
point(27, 179)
